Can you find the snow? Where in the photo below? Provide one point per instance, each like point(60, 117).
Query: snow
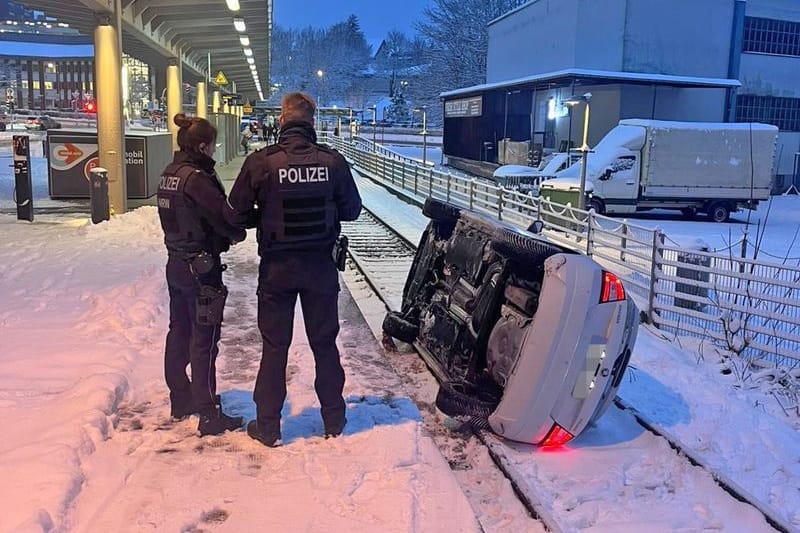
point(506, 171)
point(701, 126)
point(87, 445)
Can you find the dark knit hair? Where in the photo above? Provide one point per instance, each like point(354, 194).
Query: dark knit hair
point(193, 132)
point(298, 106)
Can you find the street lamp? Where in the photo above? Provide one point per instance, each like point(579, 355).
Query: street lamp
point(374, 124)
point(320, 75)
point(424, 132)
point(572, 102)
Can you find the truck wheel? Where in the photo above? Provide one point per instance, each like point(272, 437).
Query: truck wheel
point(440, 211)
point(719, 212)
point(598, 206)
point(513, 245)
point(400, 328)
point(462, 400)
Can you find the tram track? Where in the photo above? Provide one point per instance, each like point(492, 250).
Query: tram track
point(382, 255)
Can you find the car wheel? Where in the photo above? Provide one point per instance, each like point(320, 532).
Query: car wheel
point(513, 245)
point(719, 212)
point(400, 328)
point(440, 211)
point(462, 400)
point(598, 206)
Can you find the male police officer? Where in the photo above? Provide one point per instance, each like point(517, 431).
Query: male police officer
point(303, 191)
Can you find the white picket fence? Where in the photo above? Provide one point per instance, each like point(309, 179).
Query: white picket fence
point(750, 306)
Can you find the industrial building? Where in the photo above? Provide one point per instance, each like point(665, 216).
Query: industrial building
point(683, 60)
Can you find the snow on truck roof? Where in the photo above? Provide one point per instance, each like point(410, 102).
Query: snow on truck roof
point(702, 126)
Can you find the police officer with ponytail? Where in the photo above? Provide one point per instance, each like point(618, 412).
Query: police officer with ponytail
point(302, 191)
point(190, 205)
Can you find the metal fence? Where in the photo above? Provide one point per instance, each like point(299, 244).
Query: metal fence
point(747, 306)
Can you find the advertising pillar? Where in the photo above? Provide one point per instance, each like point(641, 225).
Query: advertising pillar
point(110, 132)
point(23, 188)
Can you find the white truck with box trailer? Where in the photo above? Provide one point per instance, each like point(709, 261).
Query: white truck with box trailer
point(694, 167)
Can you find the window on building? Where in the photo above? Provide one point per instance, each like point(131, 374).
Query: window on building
point(24, 84)
point(778, 111)
point(770, 36)
point(36, 85)
point(48, 85)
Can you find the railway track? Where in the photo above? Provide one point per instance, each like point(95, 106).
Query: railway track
point(383, 256)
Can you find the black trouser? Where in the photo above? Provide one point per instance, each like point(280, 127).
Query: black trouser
point(282, 277)
point(190, 343)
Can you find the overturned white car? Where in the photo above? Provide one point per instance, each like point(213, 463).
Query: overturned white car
point(527, 338)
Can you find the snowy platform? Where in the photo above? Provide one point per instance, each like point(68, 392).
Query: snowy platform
point(88, 444)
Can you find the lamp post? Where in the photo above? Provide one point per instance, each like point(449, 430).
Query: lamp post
point(424, 132)
point(320, 76)
point(572, 102)
point(374, 124)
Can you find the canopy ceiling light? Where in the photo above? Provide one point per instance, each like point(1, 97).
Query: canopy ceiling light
point(238, 23)
point(251, 61)
point(233, 5)
point(248, 52)
point(244, 40)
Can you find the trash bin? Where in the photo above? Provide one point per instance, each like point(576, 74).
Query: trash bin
point(692, 274)
point(98, 194)
point(560, 193)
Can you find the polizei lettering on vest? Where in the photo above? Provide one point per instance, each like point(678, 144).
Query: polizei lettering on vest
point(169, 183)
point(303, 174)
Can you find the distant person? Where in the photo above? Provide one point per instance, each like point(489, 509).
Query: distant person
point(247, 135)
point(336, 131)
point(303, 191)
point(265, 133)
point(190, 204)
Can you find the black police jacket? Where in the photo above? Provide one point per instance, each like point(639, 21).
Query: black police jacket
point(302, 191)
point(191, 199)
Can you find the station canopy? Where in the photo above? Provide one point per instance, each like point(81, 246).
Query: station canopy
point(155, 31)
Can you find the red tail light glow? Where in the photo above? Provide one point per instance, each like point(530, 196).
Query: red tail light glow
point(613, 291)
point(557, 436)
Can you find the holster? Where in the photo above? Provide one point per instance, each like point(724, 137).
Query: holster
point(340, 252)
point(210, 305)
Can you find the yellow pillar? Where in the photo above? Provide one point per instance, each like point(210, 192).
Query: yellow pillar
point(215, 105)
point(225, 107)
point(110, 126)
point(174, 105)
point(202, 104)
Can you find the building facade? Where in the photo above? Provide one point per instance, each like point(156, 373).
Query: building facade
point(686, 60)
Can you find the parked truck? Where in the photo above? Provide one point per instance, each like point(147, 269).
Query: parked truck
point(694, 167)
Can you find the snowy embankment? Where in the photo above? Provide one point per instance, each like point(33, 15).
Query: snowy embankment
point(613, 472)
point(79, 304)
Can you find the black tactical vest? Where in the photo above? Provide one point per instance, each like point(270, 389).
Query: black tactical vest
point(184, 231)
point(298, 208)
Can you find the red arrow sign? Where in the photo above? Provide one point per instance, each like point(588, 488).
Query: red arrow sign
point(70, 153)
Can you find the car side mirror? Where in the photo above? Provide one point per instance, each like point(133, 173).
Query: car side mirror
point(606, 175)
point(536, 226)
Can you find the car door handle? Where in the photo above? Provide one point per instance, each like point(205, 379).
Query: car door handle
point(629, 183)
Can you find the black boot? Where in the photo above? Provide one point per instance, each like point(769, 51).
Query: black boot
point(335, 429)
point(217, 422)
point(267, 437)
point(182, 412)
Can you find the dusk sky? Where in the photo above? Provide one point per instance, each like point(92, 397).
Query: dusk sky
point(377, 17)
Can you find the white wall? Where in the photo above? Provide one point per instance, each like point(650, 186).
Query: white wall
point(538, 38)
point(678, 37)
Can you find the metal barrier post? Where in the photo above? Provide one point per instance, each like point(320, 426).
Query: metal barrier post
point(449, 177)
point(589, 221)
point(98, 194)
point(472, 193)
point(655, 267)
point(624, 240)
point(416, 169)
point(500, 203)
point(403, 176)
point(430, 183)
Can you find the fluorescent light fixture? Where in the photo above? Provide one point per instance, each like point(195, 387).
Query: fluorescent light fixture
point(251, 61)
point(238, 23)
point(248, 52)
point(252, 67)
point(233, 5)
point(245, 40)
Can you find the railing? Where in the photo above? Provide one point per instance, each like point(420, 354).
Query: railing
point(745, 306)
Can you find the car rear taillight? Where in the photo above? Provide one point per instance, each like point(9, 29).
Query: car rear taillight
point(557, 436)
point(612, 291)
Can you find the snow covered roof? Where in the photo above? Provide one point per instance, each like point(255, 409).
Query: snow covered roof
point(48, 50)
point(704, 126)
point(606, 76)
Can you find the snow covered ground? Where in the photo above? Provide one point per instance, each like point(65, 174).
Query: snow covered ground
point(88, 447)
